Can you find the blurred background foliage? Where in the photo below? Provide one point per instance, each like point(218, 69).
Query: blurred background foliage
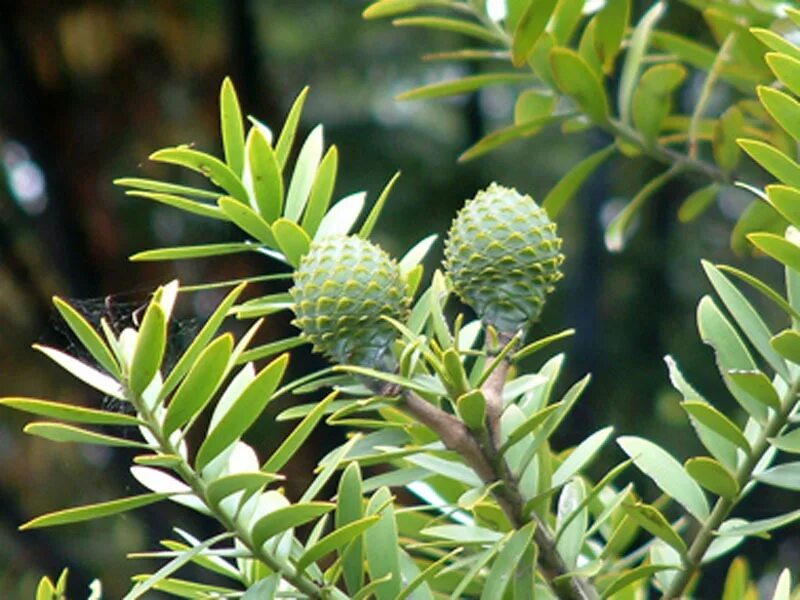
point(90, 88)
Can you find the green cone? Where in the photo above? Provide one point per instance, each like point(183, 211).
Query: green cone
point(503, 255)
point(342, 288)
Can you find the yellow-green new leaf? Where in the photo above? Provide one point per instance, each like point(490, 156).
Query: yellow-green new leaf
point(242, 412)
point(200, 251)
point(632, 576)
point(727, 130)
point(787, 344)
point(783, 108)
point(205, 164)
point(291, 239)
point(60, 432)
point(93, 511)
point(247, 220)
point(285, 140)
point(151, 343)
point(577, 80)
point(786, 200)
point(778, 248)
point(776, 42)
point(787, 69)
point(471, 407)
point(285, 518)
point(650, 519)
point(528, 29)
point(453, 25)
point(697, 202)
point(68, 412)
point(196, 207)
point(265, 177)
point(390, 8)
point(88, 337)
point(321, 192)
point(200, 384)
point(712, 476)
point(773, 160)
point(375, 212)
point(464, 85)
point(758, 386)
point(232, 127)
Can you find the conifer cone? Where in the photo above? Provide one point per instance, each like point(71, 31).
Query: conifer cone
point(342, 288)
point(503, 257)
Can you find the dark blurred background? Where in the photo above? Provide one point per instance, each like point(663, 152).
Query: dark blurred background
point(89, 89)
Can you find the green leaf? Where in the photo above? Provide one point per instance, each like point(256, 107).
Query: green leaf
point(505, 135)
point(652, 100)
point(390, 8)
point(505, 563)
point(529, 425)
point(270, 349)
point(446, 468)
point(286, 138)
point(612, 20)
point(712, 476)
point(763, 288)
point(335, 540)
point(631, 576)
point(153, 185)
point(321, 191)
point(571, 521)
point(285, 518)
point(213, 168)
point(577, 80)
point(463, 86)
point(581, 456)
point(727, 130)
point(372, 217)
point(80, 370)
point(778, 247)
point(737, 580)
point(88, 337)
point(786, 68)
point(787, 344)
point(350, 509)
point(566, 188)
point(783, 589)
point(758, 386)
point(788, 442)
point(151, 342)
point(776, 42)
point(201, 383)
point(773, 160)
point(243, 412)
point(342, 217)
point(529, 28)
point(265, 178)
point(760, 528)
point(731, 353)
point(786, 476)
point(247, 482)
point(232, 127)
point(294, 441)
point(247, 220)
point(463, 534)
point(782, 107)
point(633, 59)
point(534, 104)
point(292, 240)
point(382, 546)
point(60, 432)
point(453, 25)
point(90, 512)
point(697, 202)
point(67, 412)
point(305, 171)
point(786, 200)
point(199, 343)
point(667, 473)
point(471, 407)
point(201, 251)
point(192, 206)
point(746, 317)
point(651, 520)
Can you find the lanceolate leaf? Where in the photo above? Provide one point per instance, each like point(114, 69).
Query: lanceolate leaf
point(612, 20)
point(505, 563)
point(247, 220)
point(567, 187)
point(193, 206)
point(305, 171)
point(265, 176)
point(667, 473)
point(335, 540)
point(649, 518)
point(88, 337)
point(150, 345)
point(285, 140)
point(68, 412)
point(382, 546)
point(232, 127)
point(201, 251)
point(773, 160)
point(786, 68)
point(60, 432)
point(508, 134)
point(390, 8)
point(463, 86)
point(93, 511)
point(321, 191)
point(243, 412)
point(778, 248)
point(697, 202)
point(783, 108)
point(285, 518)
point(787, 343)
point(632, 576)
point(350, 509)
point(292, 240)
point(712, 476)
point(93, 377)
point(374, 213)
point(528, 29)
point(453, 25)
point(759, 528)
point(210, 166)
point(785, 476)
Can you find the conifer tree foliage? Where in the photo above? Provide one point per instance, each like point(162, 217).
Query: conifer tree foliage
point(438, 406)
